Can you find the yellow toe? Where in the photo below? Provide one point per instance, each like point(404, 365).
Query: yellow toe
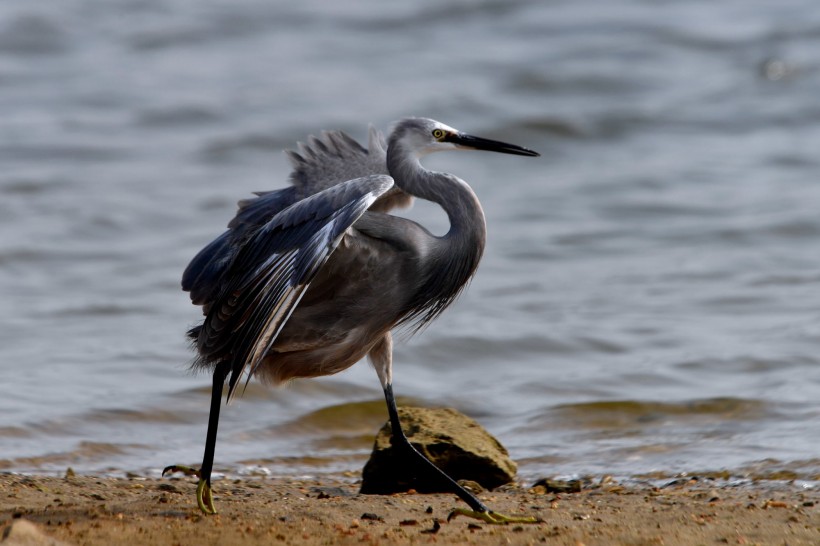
point(187, 470)
point(205, 497)
point(491, 517)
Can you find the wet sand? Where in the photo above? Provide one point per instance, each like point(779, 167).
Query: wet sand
point(103, 511)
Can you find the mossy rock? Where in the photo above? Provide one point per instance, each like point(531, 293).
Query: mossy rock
point(452, 441)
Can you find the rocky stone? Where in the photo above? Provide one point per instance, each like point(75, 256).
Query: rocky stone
point(24, 533)
point(455, 443)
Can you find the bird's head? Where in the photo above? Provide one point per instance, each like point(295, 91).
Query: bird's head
point(424, 136)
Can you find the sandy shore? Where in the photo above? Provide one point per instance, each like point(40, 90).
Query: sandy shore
point(91, 510)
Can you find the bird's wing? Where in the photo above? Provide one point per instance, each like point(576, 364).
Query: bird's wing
point(333, 157)
point(274, 267)
point(319, 164)
point(204, 276)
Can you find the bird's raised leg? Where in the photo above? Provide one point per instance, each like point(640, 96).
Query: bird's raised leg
point(204, 496)
point(381, 356)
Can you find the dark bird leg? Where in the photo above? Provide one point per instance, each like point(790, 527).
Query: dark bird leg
point(381, 356)
point(401, 443)
point(204, 496)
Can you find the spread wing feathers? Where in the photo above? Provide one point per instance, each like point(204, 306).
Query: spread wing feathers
point(201, 277)
point(319, 164)
point(272, 270)
point(205, 275)
point(333, 157)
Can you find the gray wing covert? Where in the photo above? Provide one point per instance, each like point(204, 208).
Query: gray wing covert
point(205, 274)
point(334, 157)
point(274, 268)
point(319, 164)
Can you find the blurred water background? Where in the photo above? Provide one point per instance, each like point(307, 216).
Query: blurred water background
point(649, 300)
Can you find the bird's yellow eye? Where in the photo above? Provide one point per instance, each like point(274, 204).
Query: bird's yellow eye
point(438, 134)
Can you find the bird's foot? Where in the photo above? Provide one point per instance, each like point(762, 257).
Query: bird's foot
point(488, 516)
point(204, 495)
point(187, 470)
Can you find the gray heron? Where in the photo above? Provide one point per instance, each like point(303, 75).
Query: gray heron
point(309, 279)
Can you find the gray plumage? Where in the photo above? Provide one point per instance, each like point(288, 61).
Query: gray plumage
point(323, 162)
point(309, 279)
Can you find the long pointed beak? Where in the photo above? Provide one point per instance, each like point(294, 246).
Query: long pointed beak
point(477, 143)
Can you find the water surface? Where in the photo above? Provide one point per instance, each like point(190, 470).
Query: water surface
point(650, 295)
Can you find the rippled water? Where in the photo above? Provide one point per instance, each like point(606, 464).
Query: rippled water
point(650, 295)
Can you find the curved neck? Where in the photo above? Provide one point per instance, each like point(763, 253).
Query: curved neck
point(451, 260)
point(455, 196)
